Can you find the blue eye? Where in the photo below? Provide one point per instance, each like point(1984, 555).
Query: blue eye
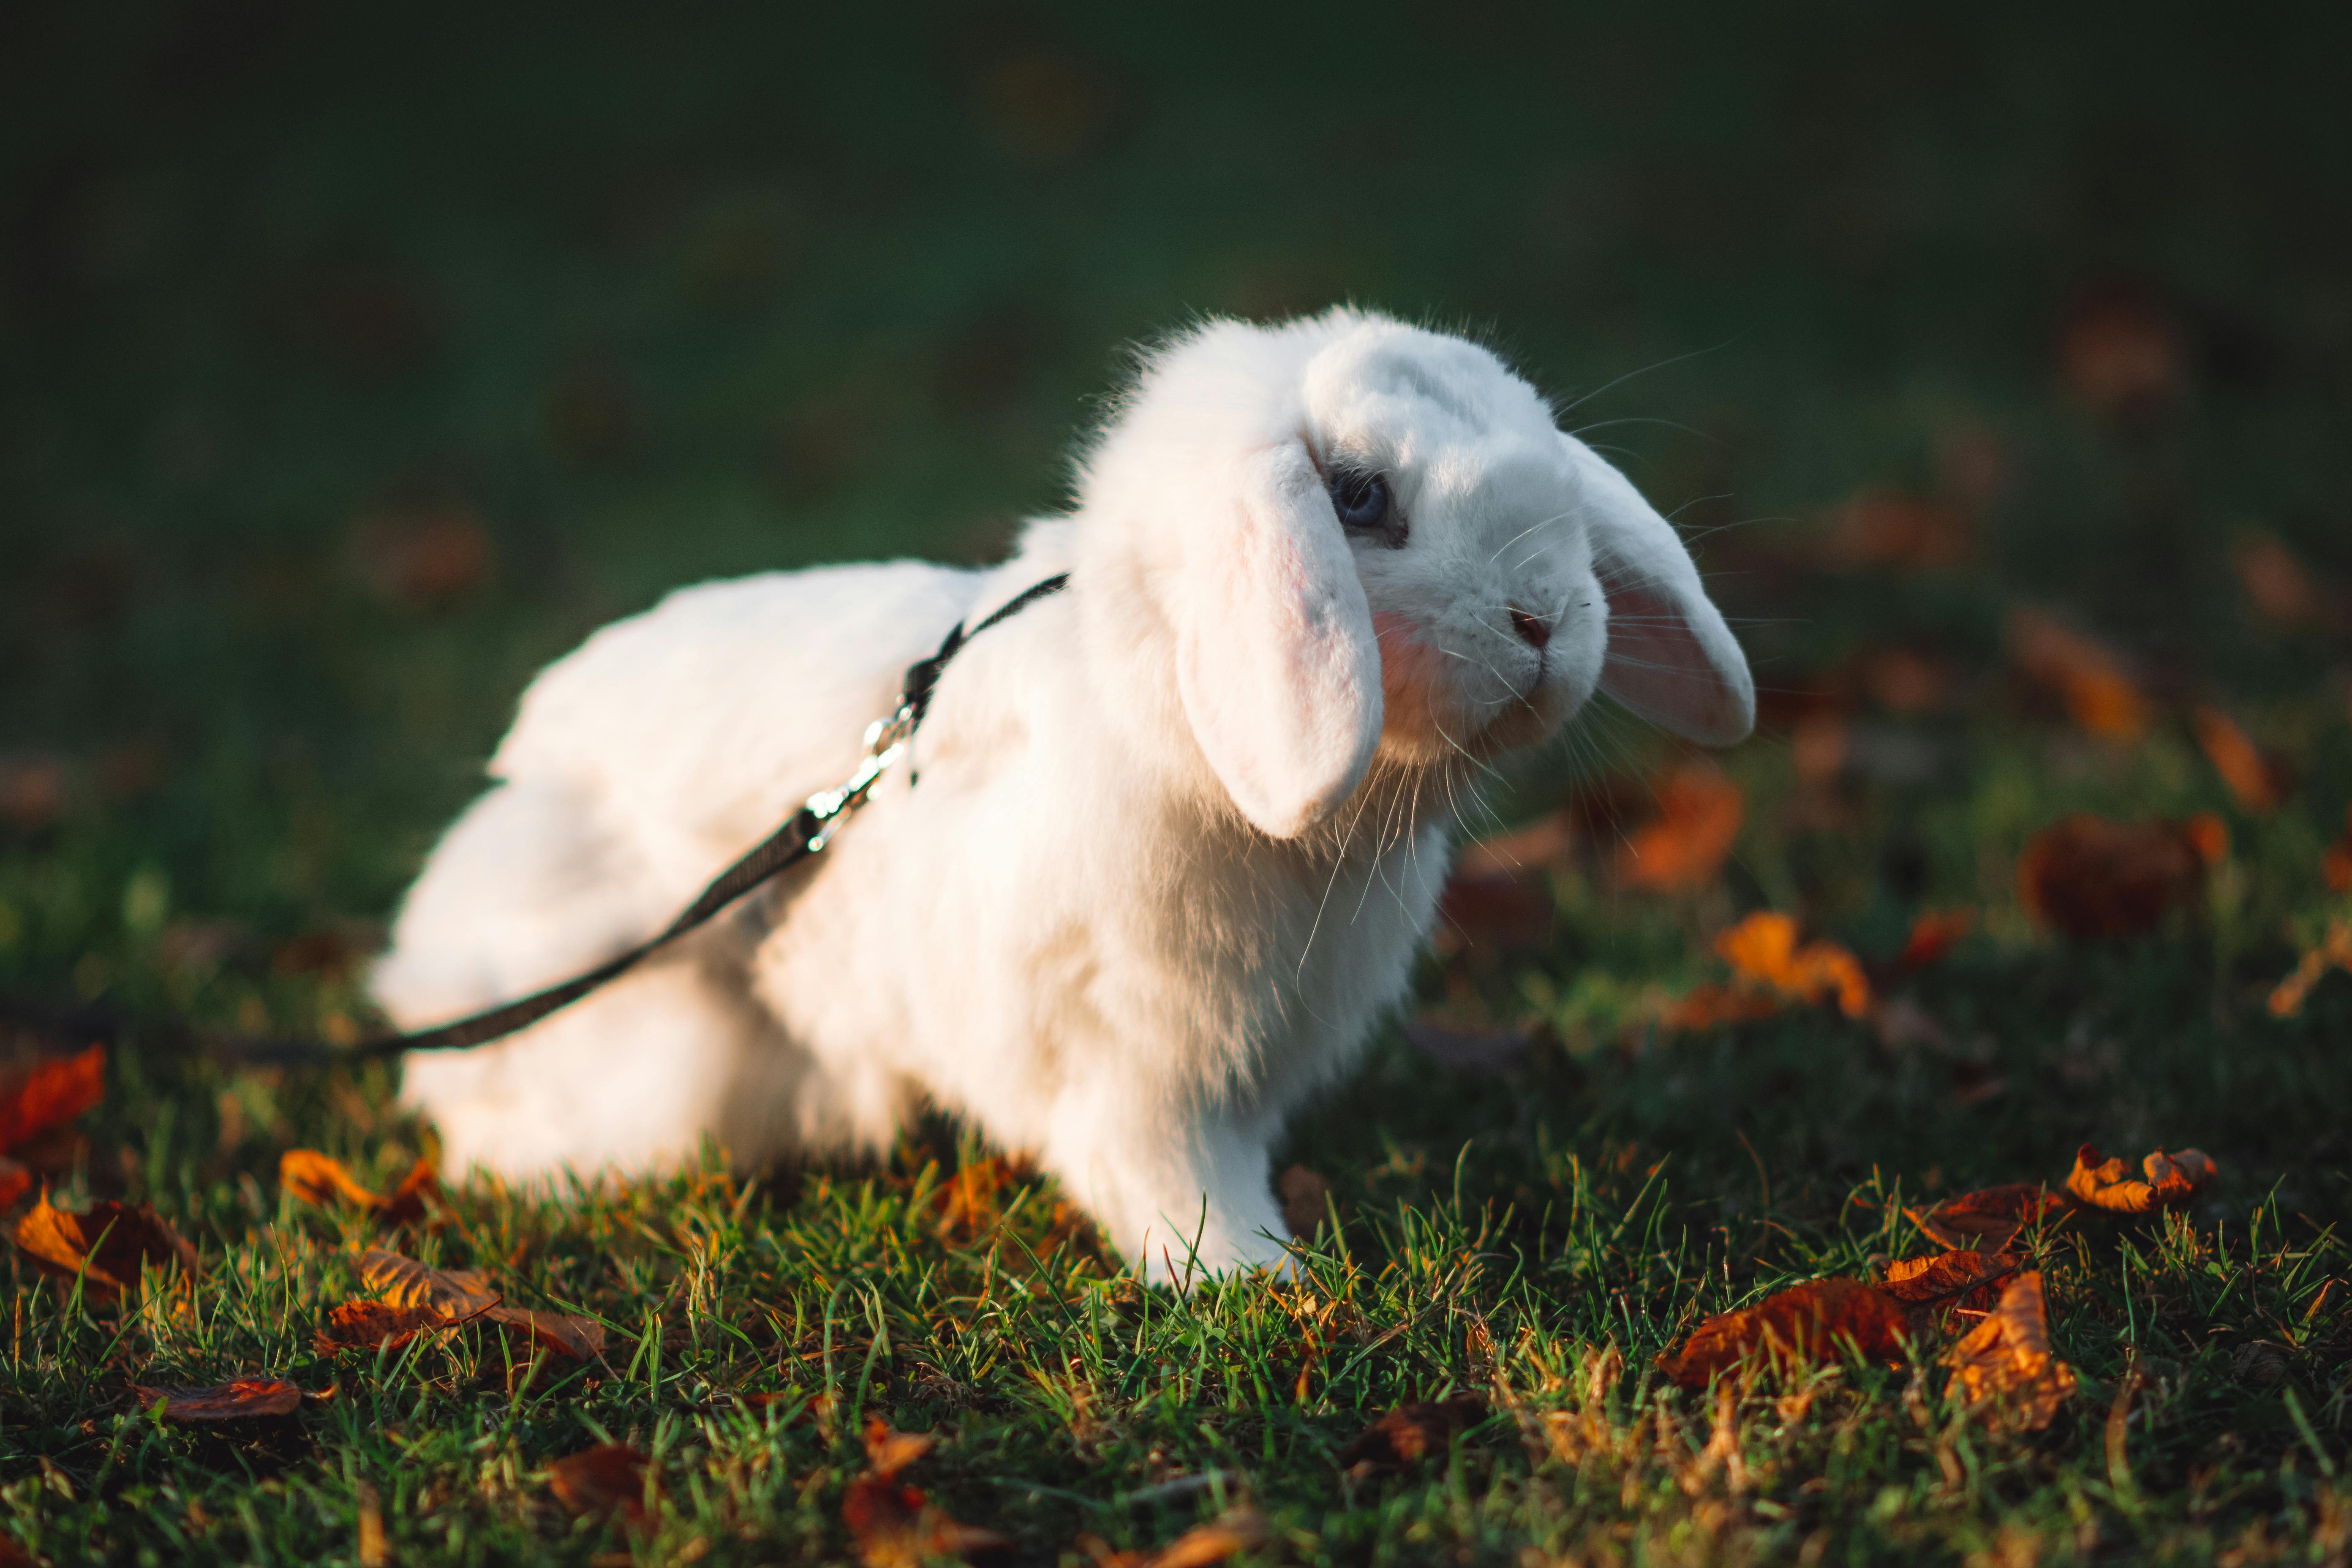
point(1362, 500)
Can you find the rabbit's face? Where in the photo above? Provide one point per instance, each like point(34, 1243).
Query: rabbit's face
point(1465, 517)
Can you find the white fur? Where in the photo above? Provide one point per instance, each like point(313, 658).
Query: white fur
point(1168, 842)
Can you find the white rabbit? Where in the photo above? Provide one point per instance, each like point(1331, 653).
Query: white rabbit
point(1165, 846)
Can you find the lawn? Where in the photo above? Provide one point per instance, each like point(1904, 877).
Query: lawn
point(1996, 365)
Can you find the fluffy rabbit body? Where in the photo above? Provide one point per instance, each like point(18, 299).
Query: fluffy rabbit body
point(1165, 846)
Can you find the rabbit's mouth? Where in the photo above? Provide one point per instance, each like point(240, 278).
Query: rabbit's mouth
point(1429, 720)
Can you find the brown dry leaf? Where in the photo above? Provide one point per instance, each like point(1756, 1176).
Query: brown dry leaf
point(108, 1245)
point(895, 1526)
point(607, 1479)
point(1763, 949)
point(2259, 779)
point(1933, 934)
point(1684, 848)
point(2337, 864)
point(2091, 879)
point(567, 1335)
point(2280, 587)
point(424, 556)
point(1930, 1288)
point(2120, 353)
point(1884, 529)
point(968, 1201)
point(458, 1294)
point(1812, 1324)
point(1411, 1432)
point(238, 1399)
point(2333, 951)
point(2087, 677)
point(1541, 845)
point(372, 1326)
point(1196, 1548)
point(2167, 1179)
point(1499, 910)
point(1990, 1219)
point(1714, 1007)
point(316, 1178)
point(2006, 1360)
point(48, 1096)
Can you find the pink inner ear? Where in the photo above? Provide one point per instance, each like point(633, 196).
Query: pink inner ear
point(1655, 666)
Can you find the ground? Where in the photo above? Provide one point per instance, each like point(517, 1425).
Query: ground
point(1996, 366)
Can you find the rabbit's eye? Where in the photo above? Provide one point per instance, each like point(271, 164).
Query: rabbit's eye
point(1362, 500)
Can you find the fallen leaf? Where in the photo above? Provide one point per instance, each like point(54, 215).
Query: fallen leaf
point(1886, 529)
point(2006, 1360)
point(238, 1399)
point(1990, 1219)
point(1811, 1324)
point(1907, 682)
point(1304, 1197)
point(607, 1479)
point(108, 1245)
point(1712, 1007)
point(48, 1096)
point(1203, 1544)
point(2091, 879)
point(1684, 847)
point(458, 1294)
point(895, 1526)
point(1933, 934)
point(374, 1325)
point(2168, 1179)
point(2085, 676)
point(2120, 353)
point(1411, 1432)
point(1930, 1288)
point(1763, 948)
point(2280, 587)
point(2333, 951)
point(1497, 909)
point(968, 1201)
point(424, 556)
point(2337, 864)
point(2259, 779)
point(578, 1337)
point(316, 1178)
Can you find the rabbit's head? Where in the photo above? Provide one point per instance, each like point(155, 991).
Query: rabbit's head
point(1361, 540)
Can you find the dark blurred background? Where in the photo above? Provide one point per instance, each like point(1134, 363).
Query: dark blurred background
point(354, 364)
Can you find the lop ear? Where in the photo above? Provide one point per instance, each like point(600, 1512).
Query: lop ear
point(1275, 661)
point(1671, 659)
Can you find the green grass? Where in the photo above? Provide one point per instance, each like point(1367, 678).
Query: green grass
point(709, 292)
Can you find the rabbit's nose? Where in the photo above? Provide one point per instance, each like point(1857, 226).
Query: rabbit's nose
point(1534, 630)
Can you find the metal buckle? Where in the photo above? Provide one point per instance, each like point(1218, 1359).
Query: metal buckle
point(885, 743)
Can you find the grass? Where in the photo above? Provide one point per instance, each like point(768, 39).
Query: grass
point(627, 307)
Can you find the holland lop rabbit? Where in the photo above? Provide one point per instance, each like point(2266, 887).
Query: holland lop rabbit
point(1165, 846)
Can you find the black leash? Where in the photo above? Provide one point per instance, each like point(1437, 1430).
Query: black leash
point(804, 834)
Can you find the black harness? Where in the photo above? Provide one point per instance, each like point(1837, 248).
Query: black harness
point(805, 833)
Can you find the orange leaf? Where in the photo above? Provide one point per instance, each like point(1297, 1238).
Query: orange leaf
point(1540, 844)
point(1932, 936)
point(1699, 814)
point(49, 1096)
point(2333, 951)
point(1411, 1432)
point(458, 1294)
point(1712, 1007)
point(316, 1178)
point(607, 1479)
point(2007, 1360)
point(578, 1337)
point(967, 1200)
point(2091, 879)
point(1989, 1219)
point(1932, 1287)
point(2257, 779)
point(1880, 528)
point(2087, 678)
point(108, 1246)
point(1763, 948)
point(1196, 1548)
point(238, 1399)
point(2337, 864)
point(1811, 1324)
point(2169, 1179)
point(374, 1325)
point(2280, 587)
point(895, 1526)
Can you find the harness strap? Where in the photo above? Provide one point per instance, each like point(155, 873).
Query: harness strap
point(803, 835)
